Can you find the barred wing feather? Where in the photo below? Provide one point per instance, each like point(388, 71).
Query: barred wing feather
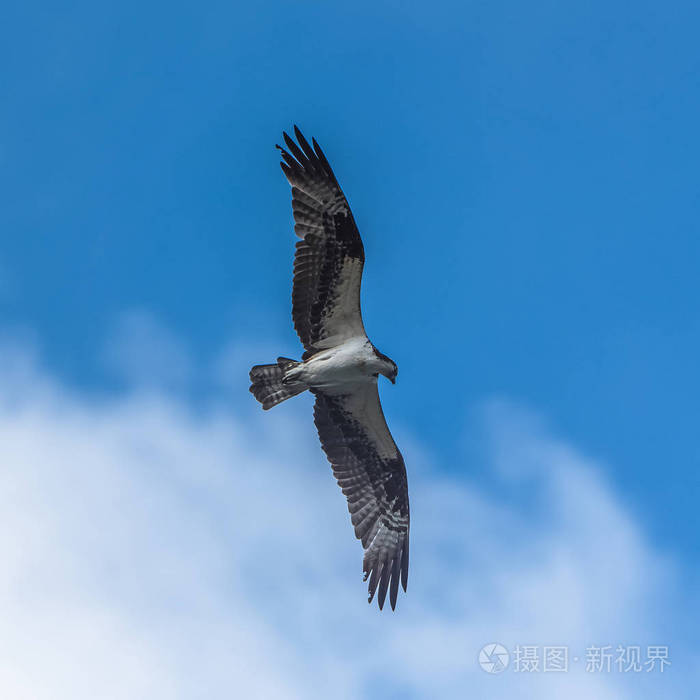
point(370, 470)
point(330, 257)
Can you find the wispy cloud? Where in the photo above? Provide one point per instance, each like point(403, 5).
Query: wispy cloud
point(142, 351)
point(153, 549)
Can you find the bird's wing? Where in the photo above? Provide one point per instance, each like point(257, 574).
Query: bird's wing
point(370, 470)
point(329, 258)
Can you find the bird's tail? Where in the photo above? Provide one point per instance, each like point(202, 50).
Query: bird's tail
point(268, 384)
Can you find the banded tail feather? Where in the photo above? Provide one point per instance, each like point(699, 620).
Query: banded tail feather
point(268, 385)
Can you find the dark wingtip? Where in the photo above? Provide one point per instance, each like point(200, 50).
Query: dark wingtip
point(300, 138)
point(404, 565)
point(288, 140)
point(306, 149)
point(324, 161)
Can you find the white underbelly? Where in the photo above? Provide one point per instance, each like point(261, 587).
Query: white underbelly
point(348, 363)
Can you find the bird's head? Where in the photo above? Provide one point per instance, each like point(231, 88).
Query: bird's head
point(387, 367)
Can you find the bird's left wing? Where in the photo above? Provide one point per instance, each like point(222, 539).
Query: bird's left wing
point(370, 470)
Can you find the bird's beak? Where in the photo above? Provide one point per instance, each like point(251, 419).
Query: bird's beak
point(393, 380)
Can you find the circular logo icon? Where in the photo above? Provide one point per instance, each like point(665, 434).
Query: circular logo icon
point(494, 658)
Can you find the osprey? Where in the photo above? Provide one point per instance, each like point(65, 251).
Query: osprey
point(340, 368)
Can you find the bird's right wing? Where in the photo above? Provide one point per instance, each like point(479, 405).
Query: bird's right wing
point(329, 258)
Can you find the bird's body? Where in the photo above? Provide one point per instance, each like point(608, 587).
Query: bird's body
point(341, 366)
point(353, 361)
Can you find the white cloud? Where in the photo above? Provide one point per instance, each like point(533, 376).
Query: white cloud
point(152, 549)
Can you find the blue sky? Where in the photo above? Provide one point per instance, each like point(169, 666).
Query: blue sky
point(523, 174)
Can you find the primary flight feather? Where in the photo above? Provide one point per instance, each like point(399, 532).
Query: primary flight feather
point(341, 366)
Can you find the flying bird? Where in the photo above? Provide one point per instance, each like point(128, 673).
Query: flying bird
point(341, 367)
